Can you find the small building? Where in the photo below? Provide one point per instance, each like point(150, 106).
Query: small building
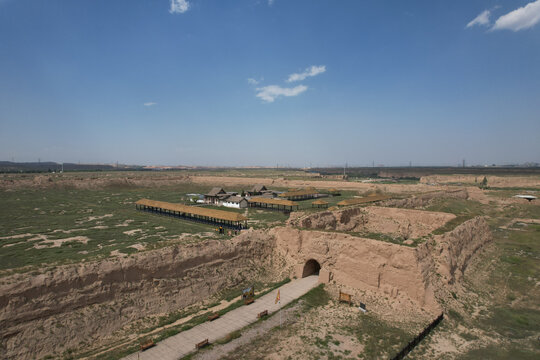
point(273, 204)
point(307, 193)
point(236, 202)
point(257, 190)
point(319, 204)
point(215, 195)
point(269, 194)
point(334, 192)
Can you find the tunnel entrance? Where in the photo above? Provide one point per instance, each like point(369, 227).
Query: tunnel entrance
point(312, 267)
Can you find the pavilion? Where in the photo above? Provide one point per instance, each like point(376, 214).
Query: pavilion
point(275, 204)
point(194, 213)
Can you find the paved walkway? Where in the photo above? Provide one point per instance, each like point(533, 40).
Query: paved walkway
point(179, 345)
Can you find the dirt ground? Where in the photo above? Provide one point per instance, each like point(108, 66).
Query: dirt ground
point(531, 181)
point(343, 185)
point(327, 330)
point(142, 179)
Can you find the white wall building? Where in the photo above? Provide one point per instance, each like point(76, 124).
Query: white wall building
point(235, 202)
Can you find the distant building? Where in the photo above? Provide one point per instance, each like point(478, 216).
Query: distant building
point(334, 192)
point(269, 194)
point(257, 190)
point(304, 194)
point(215, 195)
point(237, 202)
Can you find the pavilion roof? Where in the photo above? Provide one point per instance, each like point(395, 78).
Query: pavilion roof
point(272, 201)
point(194, 210)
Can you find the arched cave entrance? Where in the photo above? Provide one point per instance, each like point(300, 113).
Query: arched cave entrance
point(312, 267)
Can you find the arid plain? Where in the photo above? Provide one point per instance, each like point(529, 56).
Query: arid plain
point(83, 274)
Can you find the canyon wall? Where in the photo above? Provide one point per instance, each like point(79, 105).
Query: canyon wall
point(75, 305)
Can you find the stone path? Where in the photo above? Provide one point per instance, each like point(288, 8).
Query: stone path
point(179, 345)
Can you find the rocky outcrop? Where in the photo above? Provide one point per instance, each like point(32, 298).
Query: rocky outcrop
point(77, 304)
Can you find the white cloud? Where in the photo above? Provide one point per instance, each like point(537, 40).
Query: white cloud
point(270, 2)
point(519, 19)
point(179, 6)
point(252, 81)
point(310, 71)
point(482, 19)
point(271, 92)
point(149, 103)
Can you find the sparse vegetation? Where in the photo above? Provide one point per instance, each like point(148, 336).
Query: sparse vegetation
point(494, 308)
point(380, 339)
point(229, 337)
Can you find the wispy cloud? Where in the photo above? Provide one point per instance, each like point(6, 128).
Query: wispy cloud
point(310, 71)
point(271, 2)
point(482, 19)
point(253, 81)
point(149, 103)
point(271, 92)
point(523, 18)
point(179, 6)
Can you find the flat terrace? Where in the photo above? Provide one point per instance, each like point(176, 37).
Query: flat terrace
point(276, 204)
point(194, 213)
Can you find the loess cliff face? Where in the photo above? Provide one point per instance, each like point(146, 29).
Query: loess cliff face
point(420, 201)
point(386, 269)
point(381, 268)
point(451, 253)
point(76, 305)
point(405, 223)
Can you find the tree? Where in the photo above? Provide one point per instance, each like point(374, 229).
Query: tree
point(484, 183)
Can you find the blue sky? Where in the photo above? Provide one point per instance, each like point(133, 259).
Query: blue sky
point(249, 82)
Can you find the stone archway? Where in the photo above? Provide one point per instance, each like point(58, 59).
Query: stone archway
point(312, 267)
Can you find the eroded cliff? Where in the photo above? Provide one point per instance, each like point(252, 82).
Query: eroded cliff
point(79, 304)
